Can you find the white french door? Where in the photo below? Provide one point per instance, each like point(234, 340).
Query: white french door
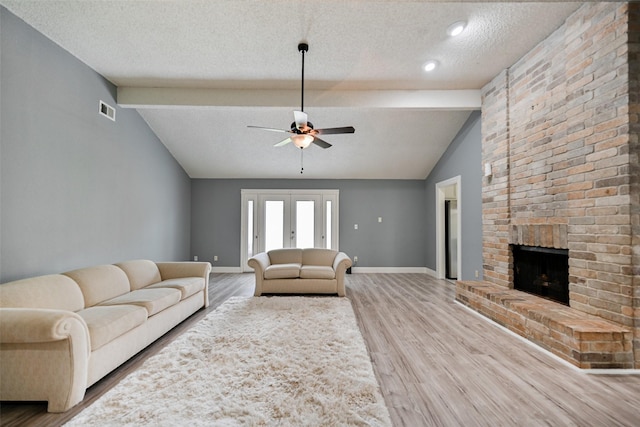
point(306, 222)
point(289, 221)
point(274, 219)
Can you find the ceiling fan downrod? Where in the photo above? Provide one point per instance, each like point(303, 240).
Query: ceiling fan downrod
point(302, 48)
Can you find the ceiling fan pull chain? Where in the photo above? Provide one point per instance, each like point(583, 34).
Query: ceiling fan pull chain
point(301, 161)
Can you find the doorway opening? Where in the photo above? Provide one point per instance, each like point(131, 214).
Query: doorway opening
point(451, 239)
point(448, 229)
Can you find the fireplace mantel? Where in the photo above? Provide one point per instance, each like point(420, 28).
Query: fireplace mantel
point(543, 235)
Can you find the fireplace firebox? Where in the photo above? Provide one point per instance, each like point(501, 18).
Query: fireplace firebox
point(542, 271)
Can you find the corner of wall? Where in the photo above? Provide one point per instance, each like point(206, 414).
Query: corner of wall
point(634, 152)
point(495, 188)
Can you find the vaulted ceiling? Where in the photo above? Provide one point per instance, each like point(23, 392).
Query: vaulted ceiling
point(200, 71)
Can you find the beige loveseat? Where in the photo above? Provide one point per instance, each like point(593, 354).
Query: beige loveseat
point(61, 333)
point(300, 271)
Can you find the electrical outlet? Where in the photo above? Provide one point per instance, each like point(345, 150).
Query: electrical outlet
point(355, 226)
point(477, 274)
point(215, 257)
point(355, 259)
point(195, 257)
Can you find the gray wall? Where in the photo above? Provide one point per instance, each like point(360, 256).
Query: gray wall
point(77, 189)
point(463, 157)
point(396, 242)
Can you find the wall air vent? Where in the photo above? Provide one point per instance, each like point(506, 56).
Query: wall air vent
point(107, 111)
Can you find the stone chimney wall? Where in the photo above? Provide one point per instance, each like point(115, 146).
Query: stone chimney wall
point(560, 129)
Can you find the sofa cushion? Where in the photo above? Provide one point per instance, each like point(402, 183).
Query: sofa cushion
point(141, 273)
point(187, 285)
point(100, 283)
point(317, 256)
point(54, 291)
point(282, 271)
point(106, 323)
point(285, 256)
point(153, 300)
point(317, 272)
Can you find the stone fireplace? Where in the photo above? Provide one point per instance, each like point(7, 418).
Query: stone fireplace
point(560, 131)
point(541, 271)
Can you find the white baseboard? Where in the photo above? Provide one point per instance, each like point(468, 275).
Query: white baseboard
point(355, 270)
point(431, 272)
point(420, 270)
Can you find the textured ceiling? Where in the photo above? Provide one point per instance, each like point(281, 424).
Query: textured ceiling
point(232, 63)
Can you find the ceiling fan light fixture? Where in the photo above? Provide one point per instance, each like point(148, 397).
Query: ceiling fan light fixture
point(302, 140)
point(302, 132)
point(456, 28)
point(430, 65)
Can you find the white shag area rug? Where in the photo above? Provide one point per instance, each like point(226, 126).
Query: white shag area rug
point(257, 361)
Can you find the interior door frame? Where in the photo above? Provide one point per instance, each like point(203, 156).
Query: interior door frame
point(254, 195)
point(440, 231)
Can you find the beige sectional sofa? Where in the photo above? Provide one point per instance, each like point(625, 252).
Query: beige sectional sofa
point(61, 333)
point(300, 271)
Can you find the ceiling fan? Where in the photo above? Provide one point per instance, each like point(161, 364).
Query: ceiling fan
point(302, 131)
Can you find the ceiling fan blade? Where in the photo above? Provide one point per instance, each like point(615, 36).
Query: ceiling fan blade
point(270, 129)
point(333, 131)
point(300, 118)
point(320, 142)
point(283, 142)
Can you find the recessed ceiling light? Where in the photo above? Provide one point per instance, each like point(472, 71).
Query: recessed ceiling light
point(456, 28)
point(430, 65)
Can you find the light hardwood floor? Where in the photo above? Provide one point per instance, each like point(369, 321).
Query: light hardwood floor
point(438, 364)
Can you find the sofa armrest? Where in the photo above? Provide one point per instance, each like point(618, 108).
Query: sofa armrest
point(36, 325)
point(340, 265)
point(176, 270)
point(44, 355)
point(341, 262)
point(259, 263)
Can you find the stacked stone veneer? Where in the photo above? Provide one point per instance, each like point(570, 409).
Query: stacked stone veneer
point(560, 129)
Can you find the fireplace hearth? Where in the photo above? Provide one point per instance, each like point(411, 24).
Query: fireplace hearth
point(542, 271)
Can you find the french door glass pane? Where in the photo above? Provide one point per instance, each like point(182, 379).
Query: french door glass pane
point(327, 233)
point(305, 222)
point(274, 224)
point(250, 231)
